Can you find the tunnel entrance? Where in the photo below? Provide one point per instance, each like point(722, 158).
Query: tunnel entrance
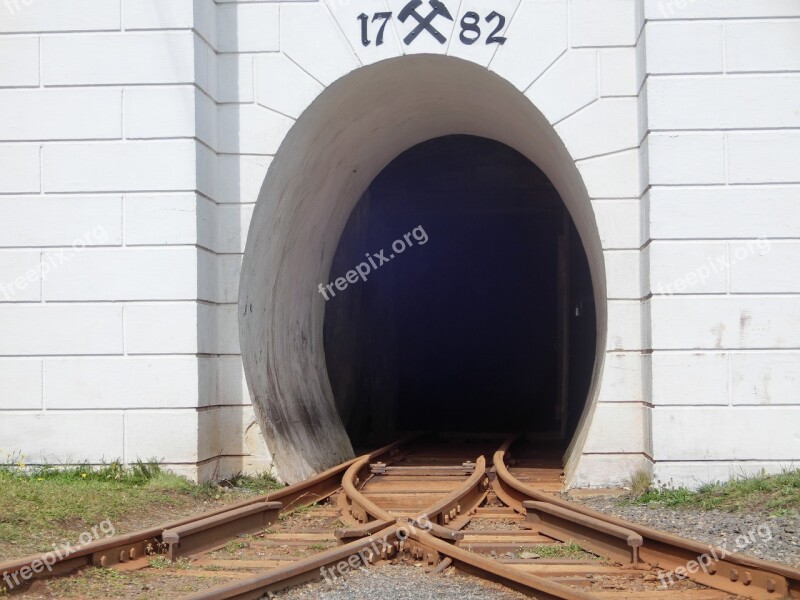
point(477, 313)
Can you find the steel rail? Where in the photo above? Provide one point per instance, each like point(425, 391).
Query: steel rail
point(213, 526)
point(730, 572)
point(353, 555)
point(410, 537)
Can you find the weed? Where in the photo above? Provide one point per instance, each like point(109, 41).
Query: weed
point(567, 550)
point(778, 494)
point(640, 482)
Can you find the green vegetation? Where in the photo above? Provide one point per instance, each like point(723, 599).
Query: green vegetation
point(45, 505)
point(777, 494)
point(640, 482)
point(567, 550)
point(259, 484)
point(161, 562)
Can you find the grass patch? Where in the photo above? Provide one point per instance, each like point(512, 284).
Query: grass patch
point(45, 505)
point(640, 482)
point(568, 550)
point(778, 494)
point(161, 562)
point(258, 484)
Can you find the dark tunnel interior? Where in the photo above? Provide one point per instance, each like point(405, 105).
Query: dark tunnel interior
point(477, 297)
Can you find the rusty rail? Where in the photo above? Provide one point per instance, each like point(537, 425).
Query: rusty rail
point(735, 573)
point(203, 530)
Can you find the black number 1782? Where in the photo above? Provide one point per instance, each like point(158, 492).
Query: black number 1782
point(469, 34)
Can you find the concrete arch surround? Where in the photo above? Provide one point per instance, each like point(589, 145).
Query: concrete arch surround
point(327, 160)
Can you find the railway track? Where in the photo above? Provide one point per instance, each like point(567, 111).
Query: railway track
point(473, 504)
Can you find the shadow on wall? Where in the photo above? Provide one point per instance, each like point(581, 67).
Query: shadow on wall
point(230, 439)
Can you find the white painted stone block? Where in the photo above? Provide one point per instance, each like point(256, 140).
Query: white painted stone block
point(624, 325)
point(248, 28)
point(284, 87)
point(218, 329)
point(613, 470)
point(762, 46)
point(745, 433)
point(235, 78)
point(610, 23)
point(25, 431)
point(685, 159)
point(690, 378)
point(20, 385)
point(685, 323)
point(206, 67)
point(765, 266)
point(730, 212)
point(604, 127)
point(241, 177)
point(20, 276)
point(131, 58)
point(251, 129)
point(161, 219)
point(19, 61)
point(61, 221)
point(618, 223)
point(231, 386)
point(569, 85)
point(770, 157)
point(161, 328)
point(305, 28)
point(233, 222)
point(623, 374)
point(722, 102)
point(21, 168)
point(227, 268)
point(537, 36)
point(618, 76)
point(684, 47)
point(719, 9)
point(51, 329)
point(123, 274)
point(206, 223)
point(160, 112)
point(224, 430)
point(157, 14)
point(617, 428)
point(623, 274)
point(688, 268)
point(612, 176)
point(765, 378)
point(105, 383)
point(125, 166)
point(205, 20)
point(165, 435)
point(59, 15)
point(61, 114)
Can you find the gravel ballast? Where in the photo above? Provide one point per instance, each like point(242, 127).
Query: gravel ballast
point(756, 534)
point(400, 582)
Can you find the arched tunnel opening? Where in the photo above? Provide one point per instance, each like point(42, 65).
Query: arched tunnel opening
point(460, 299)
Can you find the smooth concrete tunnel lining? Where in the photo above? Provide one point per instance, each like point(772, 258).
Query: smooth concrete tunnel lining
point(335, 150)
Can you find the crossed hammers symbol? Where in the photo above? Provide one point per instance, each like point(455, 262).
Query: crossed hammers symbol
point(424, 23)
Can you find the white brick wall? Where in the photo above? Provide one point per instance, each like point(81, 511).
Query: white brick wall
point(144, 129)
point(723, 210)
